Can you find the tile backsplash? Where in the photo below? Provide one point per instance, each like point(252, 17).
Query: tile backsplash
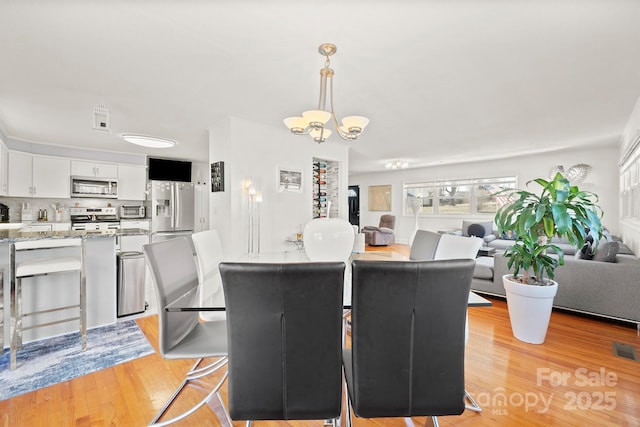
point(51, 205)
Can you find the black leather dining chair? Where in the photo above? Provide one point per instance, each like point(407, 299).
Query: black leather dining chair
point(408, 325)
point(284, 336)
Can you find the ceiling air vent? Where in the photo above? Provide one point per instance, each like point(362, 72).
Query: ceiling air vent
point(101, 120)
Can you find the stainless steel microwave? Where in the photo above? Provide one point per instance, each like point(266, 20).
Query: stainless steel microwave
point(94, 187)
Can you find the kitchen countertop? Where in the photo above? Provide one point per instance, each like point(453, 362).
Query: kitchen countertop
point(12, 225)
point(15, 235)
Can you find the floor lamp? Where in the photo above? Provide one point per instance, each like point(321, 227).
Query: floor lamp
point(255, 198)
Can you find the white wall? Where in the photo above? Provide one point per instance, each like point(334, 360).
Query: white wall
point(254, 151)
point(602, 180)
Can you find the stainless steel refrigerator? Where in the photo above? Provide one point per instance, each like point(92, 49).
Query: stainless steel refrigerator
point(172, 210)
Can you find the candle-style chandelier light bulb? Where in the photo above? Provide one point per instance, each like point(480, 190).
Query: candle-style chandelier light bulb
point(313, 122)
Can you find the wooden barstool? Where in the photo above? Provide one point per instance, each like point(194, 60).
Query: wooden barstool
point(43, 263)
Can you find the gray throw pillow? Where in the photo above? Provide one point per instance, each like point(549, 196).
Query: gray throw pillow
point(607, 252)
point(489, 238)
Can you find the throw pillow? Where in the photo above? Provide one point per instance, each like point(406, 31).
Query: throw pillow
point(607, 252)
point(488, 227)
point(586, 252)
point(489, 238)
point(510, 235)
point(476, 230)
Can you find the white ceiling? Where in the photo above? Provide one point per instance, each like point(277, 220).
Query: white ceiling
point(441, 81)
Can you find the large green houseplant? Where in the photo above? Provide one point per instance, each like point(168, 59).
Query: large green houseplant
point(559, 210)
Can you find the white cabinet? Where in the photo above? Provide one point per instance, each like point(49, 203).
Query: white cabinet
point(132, 182)
point(134, 223)
point(51, 177)
point(20, 175)
point(100, 170)
point(4, 166)
point(134, 243)
point(38, 176)
point(201, 208)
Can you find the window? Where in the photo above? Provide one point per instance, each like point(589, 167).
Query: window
point(630, 182)
point(458, 197)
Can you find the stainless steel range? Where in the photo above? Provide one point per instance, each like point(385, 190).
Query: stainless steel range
point(90, 219)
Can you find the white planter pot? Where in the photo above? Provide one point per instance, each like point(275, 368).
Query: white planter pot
point(529, 309)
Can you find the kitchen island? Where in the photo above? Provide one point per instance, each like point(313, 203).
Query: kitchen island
point(61, 289)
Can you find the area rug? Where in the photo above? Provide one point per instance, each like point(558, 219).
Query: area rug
point(53, 360)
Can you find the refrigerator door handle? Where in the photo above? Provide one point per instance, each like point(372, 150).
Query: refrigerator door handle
point(177, 206)
point(172, 201)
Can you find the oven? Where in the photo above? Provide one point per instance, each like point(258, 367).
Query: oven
point(95, 226)
point(94, 219)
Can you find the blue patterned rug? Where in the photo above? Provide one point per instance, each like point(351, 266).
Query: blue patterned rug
point(53, 360)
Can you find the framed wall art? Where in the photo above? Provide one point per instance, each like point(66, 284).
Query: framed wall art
point(380, 197)
point(217, 177)
point(289, 180)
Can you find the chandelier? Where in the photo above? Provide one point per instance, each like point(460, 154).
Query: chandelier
point(313, 122)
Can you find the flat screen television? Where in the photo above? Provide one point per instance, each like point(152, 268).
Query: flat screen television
point(169, 170)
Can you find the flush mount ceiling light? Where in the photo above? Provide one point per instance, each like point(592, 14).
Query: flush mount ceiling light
point(396, 164)
point(313, 122)
point(148, 141)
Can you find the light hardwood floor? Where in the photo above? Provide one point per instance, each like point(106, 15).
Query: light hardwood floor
point(572, 379)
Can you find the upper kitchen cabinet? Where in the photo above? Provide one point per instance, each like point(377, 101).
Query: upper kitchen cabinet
point(132, 182)
point(93, 169)
point(38, 176)
point(20, 175)
point(4, 166)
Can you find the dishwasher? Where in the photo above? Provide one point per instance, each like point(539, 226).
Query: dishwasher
point(130, 292)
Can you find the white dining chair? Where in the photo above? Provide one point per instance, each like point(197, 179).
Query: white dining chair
point(209, 255)
point(448, 246)
point(181, 335)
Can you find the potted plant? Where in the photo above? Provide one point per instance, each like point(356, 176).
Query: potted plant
point(560, 210)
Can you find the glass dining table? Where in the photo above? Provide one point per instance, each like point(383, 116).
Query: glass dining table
point(179, 304)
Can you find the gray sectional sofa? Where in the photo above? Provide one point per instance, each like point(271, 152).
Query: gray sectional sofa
point(607, 289)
